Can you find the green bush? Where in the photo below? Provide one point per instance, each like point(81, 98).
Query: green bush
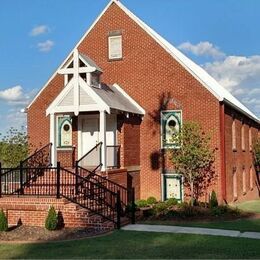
point(51, 222)
point(213, 200)
point(141, 203)
point(151, 200)
point(171, 202)
point(3, 221)
point(149, 213)
point(160, 207)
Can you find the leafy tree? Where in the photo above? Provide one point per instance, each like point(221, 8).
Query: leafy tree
point(13, 147)
point(194, 158)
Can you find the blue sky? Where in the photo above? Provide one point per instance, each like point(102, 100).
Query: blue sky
point(220, 35)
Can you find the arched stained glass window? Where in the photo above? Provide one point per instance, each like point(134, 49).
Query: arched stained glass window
point(171, 122)
point(65, 132)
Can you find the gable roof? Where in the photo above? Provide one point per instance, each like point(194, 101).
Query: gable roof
point(199, 73)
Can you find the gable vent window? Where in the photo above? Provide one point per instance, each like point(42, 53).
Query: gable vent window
point(115, 51)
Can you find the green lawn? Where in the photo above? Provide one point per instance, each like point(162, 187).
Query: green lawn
point(130, 244)
point(250, 206)
point(241, 224)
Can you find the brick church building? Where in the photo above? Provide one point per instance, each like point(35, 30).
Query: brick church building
point(125, 88)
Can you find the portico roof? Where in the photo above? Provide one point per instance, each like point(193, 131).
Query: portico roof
point(94, 99)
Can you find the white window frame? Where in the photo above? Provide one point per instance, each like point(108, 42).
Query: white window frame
point(181, 124)
point(120, 55)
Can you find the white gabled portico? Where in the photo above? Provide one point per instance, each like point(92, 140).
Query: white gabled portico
point(94, 103)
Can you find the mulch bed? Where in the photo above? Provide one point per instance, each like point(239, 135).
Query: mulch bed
point(38, 234)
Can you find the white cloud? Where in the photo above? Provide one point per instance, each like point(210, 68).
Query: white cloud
point(12, 94)
point(45, 46)
point(202, 49)
point(16, 95)
point(241, 76)
point(38, 30)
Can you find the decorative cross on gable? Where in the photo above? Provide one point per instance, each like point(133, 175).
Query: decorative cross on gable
point(77, 65)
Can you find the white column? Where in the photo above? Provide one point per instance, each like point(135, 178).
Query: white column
point(53, 140)
point(76, 81)
point(102, 134)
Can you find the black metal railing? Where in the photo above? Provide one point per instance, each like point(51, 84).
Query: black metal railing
point(92, 158)
point(113, 156)
point(125, 194)
point(40, 158)
point(83, 187)
point(90, 195)
point(36, 181)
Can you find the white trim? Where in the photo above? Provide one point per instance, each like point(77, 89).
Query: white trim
point(103, 139)
point(80, 70)
point(163, 186)
point(129, 98)
point(53, 139)
point(59, 98)
point(120, 55)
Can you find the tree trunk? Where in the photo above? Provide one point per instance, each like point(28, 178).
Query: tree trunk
point(192, 193)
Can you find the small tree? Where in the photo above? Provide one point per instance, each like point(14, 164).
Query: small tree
point(213, 202)
point(194, 157)
point(51, 222)
point(3, 221)
point(13, 147)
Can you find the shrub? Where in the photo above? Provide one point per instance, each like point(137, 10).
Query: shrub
point(51, 221)
point(213, 200)
point(160, 207)
point(3, 221)
point(149, 213)
point(151, 200)
point(171, 202)
point(141, 203)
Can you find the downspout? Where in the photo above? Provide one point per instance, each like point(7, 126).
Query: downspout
point(222, 151)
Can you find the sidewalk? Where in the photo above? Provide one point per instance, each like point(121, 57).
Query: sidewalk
point(191, 230)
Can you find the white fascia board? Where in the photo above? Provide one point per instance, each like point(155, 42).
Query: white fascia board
point(81, 70)
point(249, 114)
point(101, 103)
point(181, 58)
point(59, 98)
point(64, 62)
point(70, 109)
point(142, 111)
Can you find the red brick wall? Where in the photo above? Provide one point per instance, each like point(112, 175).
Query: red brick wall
point(239, 159)
point(149, 75)
point(33, 211)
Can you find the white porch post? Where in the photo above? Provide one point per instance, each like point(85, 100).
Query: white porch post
point(102, 127)
point(53, 140)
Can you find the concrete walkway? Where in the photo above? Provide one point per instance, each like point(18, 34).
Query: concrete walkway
point(191, 230)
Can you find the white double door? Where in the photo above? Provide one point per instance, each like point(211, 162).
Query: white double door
point(90, 137)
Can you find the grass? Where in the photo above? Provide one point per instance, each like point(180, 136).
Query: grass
point(249, 206)
point(145, 245)
point(240, 225)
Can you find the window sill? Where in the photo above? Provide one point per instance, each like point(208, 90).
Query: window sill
point(115, 59)
point(69, 148)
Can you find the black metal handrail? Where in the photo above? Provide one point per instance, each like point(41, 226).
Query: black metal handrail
point(125, 193)
point(40, 158)
point(113, 162)
point(89, 152)
point(106, 202)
